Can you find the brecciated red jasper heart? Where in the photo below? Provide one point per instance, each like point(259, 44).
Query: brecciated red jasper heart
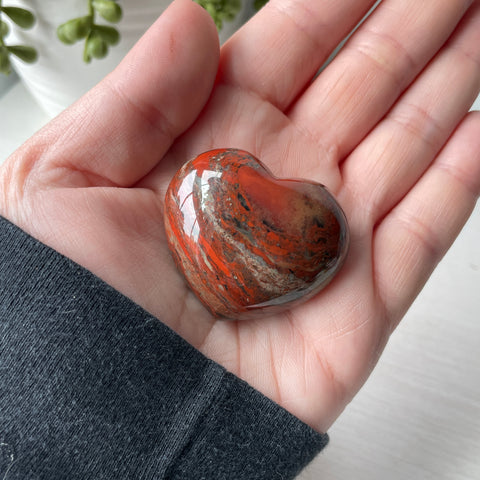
point(248, 243)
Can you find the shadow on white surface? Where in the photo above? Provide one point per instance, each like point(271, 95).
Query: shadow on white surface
point(20, 118)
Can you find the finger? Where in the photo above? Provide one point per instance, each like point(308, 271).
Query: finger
point(396, 153)
point(118, 131)
point(375, 66)
point(282, 47)
point(412, 239)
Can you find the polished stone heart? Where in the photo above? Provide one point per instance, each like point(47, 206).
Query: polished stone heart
point(250, 244)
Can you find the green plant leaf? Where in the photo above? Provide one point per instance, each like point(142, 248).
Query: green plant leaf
point(221, 10)
point(231, 10)
point(108, 9)
point(5, 66)
point(74, 30)
point(4, 29)
point(110, 34)
point(23, 52)
point(63, 34)
point(23, 18)
point(96, 46)
point(258, 4)
point(86, 57)
point(212, 10)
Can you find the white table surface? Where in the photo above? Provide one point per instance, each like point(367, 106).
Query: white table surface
point(418, 416)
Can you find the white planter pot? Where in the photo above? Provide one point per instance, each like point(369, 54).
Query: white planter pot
point(60, 76)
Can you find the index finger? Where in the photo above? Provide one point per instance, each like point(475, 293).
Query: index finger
point(282, 47)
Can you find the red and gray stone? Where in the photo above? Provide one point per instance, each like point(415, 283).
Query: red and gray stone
point(250, 244)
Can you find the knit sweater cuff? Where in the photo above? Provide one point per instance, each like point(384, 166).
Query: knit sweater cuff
point(92, 386)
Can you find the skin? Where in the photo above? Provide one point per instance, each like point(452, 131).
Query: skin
point(384, 126)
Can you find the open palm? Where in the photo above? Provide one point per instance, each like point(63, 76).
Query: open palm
point(384, 127)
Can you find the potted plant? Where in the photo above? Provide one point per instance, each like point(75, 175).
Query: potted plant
point(62, 49)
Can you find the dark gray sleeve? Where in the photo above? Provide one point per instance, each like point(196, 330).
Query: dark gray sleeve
point(93, 387)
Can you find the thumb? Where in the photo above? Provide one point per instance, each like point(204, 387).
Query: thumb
point(119, 130)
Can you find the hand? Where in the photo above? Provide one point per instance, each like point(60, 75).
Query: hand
point(385, 127)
